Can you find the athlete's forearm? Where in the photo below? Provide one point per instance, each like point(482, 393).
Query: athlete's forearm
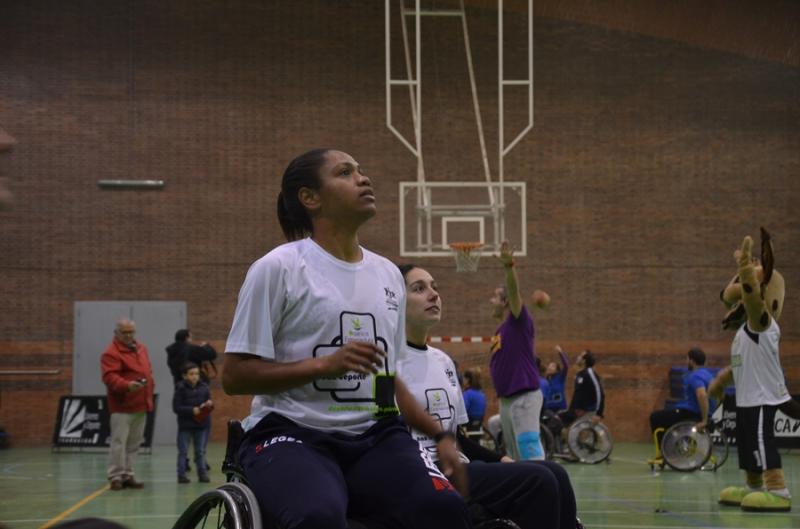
point(702, 401)
point(245, 374)
point(723, 379)
point(512, 290)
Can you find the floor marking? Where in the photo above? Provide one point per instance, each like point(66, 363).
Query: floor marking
point(774, 514)
point(75, 507)
point(639, 526)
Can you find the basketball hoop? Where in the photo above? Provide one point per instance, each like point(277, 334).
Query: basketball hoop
point(467, 255)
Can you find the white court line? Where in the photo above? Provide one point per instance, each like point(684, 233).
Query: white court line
point(653, 501)
point(639, 526)
point(132, 517)
point(581, 512)
point(633, 479)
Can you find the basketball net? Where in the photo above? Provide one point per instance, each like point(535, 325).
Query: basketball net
point(467, 255)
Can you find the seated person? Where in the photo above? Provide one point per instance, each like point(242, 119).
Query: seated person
point(315, 339)
point(474, 398)
point(695, 405)
point(556, 376)
point(531, 493)
point(587, 396)
point(544, 384)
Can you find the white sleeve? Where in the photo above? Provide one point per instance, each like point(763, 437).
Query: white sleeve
point(259, 310)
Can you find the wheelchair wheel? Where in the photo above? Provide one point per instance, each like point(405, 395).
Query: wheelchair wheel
point(685, 448)
point(590, 443)
point(231, 506)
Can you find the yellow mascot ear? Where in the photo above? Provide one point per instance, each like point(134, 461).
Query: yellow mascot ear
point(773, 287)
point(767, 258)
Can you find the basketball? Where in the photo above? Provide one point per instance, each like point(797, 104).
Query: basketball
point(541, 299)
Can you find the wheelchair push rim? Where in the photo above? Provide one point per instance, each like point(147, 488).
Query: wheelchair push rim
point(684, 448)
point(231, 506)
point(591, 443)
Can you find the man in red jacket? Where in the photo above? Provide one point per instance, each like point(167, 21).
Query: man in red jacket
point(129, 383)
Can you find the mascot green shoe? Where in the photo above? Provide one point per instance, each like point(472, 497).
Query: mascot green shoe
point(765, 502)
point(734, 495)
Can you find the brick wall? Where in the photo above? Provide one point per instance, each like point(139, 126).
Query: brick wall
point(649, 161)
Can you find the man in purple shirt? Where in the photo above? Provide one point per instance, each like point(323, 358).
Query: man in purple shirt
point(513, 367)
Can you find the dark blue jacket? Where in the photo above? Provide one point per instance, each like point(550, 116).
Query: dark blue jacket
point(185, 399)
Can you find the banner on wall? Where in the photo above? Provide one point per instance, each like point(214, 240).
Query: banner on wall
point(83, 421)
point(786, 429)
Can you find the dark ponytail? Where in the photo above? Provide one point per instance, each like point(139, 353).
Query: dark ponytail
point(303, 171)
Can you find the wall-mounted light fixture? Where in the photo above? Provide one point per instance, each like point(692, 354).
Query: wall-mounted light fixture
point(130, 184)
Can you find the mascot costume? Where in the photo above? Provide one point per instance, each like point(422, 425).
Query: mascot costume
point(754, 298)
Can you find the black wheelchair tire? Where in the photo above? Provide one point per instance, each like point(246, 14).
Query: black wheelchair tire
point(233, 504)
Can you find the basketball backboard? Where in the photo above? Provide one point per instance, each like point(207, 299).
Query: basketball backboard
point(435, 214)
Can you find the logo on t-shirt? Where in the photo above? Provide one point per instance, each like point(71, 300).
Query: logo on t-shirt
point(438, 404)
point(497, 343)
point(353, 328)
point(452, 376)
point(391, 299)
point(376, 392)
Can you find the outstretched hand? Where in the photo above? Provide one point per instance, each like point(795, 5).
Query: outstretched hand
point(361, 357)
point(506, 254)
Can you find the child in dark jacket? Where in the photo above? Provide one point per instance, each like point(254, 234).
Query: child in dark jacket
point(192, 404)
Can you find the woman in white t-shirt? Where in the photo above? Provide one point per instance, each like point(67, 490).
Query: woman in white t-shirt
point(315, 338)
point(534, 494)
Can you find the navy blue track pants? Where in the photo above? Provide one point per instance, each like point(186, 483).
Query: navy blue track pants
point(309, 479)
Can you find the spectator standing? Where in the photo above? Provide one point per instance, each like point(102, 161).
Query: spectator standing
point(192, 403)
point(185, 349)
point(128, 377)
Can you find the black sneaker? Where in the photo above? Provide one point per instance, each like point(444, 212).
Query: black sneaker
point(184, 479)
point(203, 478)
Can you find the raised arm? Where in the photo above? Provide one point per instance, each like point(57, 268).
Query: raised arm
point(564, 360)
point(511, 282)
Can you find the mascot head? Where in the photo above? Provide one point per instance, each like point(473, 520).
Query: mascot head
point(770, 281)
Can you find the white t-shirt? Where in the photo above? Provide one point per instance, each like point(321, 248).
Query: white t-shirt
point(756, 366)
point(431, 378)
point(299, 302)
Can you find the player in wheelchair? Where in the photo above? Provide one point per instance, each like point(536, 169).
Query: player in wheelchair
point(578, 432)
point(315, 340)
point(688, 446)
point(532, 494)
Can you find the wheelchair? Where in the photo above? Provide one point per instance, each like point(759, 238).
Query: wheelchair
point(685, 448)
point(234, 506)
point(475, 431)
point(585, 441)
